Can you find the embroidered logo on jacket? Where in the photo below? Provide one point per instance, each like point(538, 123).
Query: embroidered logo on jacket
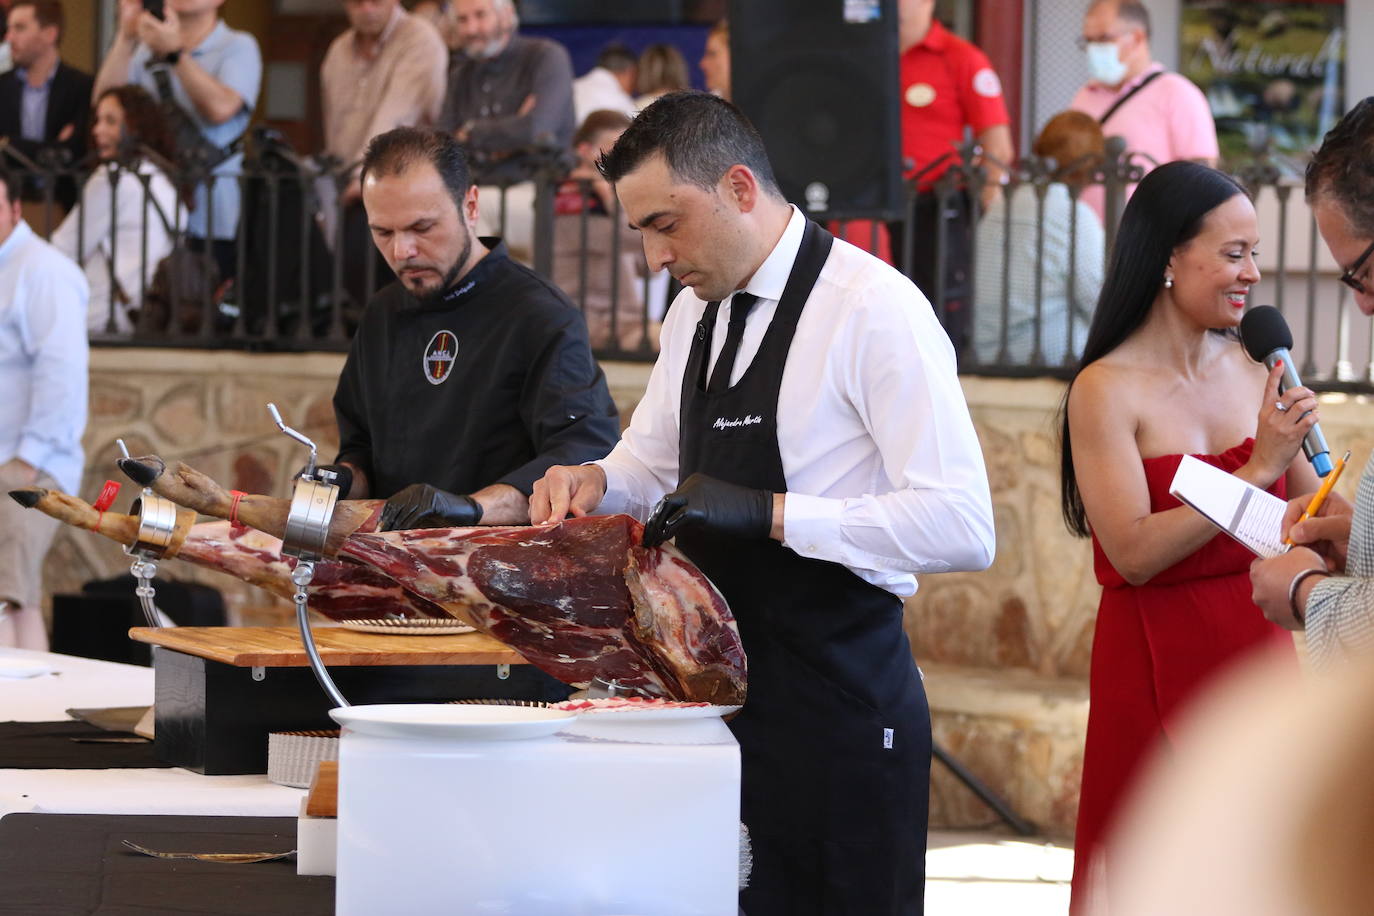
point(440, 354)
point(746, 420)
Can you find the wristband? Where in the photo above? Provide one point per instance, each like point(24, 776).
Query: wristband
point(1293, 591)
point(172, 57)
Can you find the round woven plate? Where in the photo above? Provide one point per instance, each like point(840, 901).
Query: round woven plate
point(408, 626)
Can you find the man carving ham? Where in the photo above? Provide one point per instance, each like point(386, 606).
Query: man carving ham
point(861, 471)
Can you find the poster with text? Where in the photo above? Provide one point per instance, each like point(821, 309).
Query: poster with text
point(1273, 73)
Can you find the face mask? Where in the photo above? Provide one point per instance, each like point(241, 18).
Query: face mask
point(1103, 63)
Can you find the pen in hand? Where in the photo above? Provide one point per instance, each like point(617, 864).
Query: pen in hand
point(1320, 496)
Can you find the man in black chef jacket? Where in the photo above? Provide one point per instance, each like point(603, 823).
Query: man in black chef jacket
point(471, 375)
point(805, 439)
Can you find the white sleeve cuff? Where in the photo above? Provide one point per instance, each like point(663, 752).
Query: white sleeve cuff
point(811, 523)
point(622, 495)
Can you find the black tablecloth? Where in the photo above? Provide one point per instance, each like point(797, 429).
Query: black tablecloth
point(69, 864)
point(49, 746)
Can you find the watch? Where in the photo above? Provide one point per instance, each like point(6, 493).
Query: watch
point(171, 57)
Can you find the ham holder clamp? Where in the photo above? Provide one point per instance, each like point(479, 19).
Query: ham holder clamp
point(161, 527)
point(307, 529)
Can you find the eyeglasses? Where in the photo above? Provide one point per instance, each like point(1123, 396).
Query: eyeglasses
point(1348, 278)
point(1083, 41)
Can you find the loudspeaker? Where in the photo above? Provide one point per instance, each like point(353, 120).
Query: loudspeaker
point(820, 80)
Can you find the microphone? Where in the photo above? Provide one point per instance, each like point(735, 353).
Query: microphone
point(1268, 340)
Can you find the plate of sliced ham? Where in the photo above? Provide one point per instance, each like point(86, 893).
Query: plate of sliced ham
point(642, 709)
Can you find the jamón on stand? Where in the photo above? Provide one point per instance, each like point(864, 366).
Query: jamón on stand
point(579, 599)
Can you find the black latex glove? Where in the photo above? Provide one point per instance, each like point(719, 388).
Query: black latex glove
point(707, 504)
point(422, 506)
point(342, 476)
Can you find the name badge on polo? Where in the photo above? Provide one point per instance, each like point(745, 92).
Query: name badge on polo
point(440, 354)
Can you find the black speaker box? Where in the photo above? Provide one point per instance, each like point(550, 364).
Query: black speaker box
point(819, 79)
point(95, 623)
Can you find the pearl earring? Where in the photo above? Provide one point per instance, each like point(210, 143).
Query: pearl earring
point(1168, 282)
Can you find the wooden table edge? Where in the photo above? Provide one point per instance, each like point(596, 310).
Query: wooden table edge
point(463, 649)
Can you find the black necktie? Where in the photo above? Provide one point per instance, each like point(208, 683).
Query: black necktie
point(740, 307)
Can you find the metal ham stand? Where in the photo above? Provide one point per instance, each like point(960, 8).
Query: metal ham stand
point(157, 520)
point(307, 529)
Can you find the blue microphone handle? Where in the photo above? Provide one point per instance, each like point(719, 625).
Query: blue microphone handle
point(1314, 443)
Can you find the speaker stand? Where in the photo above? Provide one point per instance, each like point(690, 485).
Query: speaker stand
point(987, 796)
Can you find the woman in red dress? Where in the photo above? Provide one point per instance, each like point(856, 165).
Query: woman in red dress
point(1163, 375)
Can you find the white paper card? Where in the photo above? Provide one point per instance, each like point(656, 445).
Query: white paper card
point(1250, 515)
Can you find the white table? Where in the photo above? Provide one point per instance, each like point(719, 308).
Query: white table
point(82, 682)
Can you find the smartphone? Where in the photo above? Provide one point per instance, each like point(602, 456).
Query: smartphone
point(154, 7)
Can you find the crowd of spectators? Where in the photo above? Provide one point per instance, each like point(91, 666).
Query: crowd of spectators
point(512, 100)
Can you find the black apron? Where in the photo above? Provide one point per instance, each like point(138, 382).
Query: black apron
point(835, 734)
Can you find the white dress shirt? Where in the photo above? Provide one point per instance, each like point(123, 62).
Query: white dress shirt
point(43, 357)
point(599, 89)
point(120, 228)
point(884, 471)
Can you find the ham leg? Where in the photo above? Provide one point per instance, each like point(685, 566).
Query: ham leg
point(579, 599)
point(339, 590)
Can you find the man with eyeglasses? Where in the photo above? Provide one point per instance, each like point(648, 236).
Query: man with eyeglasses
point(1162, 115)
point(1326, 584)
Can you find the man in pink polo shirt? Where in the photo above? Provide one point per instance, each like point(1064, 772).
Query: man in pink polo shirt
point(1161, 114)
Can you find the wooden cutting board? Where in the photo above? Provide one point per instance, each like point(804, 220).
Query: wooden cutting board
point(323, 799)
point(280, 647)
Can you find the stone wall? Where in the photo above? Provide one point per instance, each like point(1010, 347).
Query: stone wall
point(209, 409)
point(1005, 651)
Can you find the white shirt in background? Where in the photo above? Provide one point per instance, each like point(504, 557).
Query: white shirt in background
point(43, 357)
point(116, 224)
point(598, 89)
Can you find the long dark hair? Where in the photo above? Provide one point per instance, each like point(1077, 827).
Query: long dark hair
point(1167, 210)
point(144, 122)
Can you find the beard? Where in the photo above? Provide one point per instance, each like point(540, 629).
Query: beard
point(431, 295)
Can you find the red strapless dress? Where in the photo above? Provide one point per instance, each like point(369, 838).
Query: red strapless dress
point(1154, 648)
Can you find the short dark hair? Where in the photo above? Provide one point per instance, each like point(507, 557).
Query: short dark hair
point(616, 57)
point(10, 181)
point(1166, 211)
point(600, 120)
point(1132, 11)
point(45, 12)
point(1342, 169)
point(395, 151)
point(700, 136)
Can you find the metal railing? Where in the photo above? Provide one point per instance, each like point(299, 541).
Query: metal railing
point(302, 271)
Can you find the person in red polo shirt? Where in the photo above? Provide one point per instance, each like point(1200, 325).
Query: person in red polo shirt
point(947, 84)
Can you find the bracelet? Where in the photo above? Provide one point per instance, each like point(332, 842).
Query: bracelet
point(1293, 591)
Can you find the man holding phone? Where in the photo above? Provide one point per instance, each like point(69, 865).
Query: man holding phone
point(183, 53)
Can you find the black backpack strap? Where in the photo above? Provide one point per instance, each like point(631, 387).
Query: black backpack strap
point(163, 81)
point(1128, 96)
point(173, 232)
point(214, 155)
